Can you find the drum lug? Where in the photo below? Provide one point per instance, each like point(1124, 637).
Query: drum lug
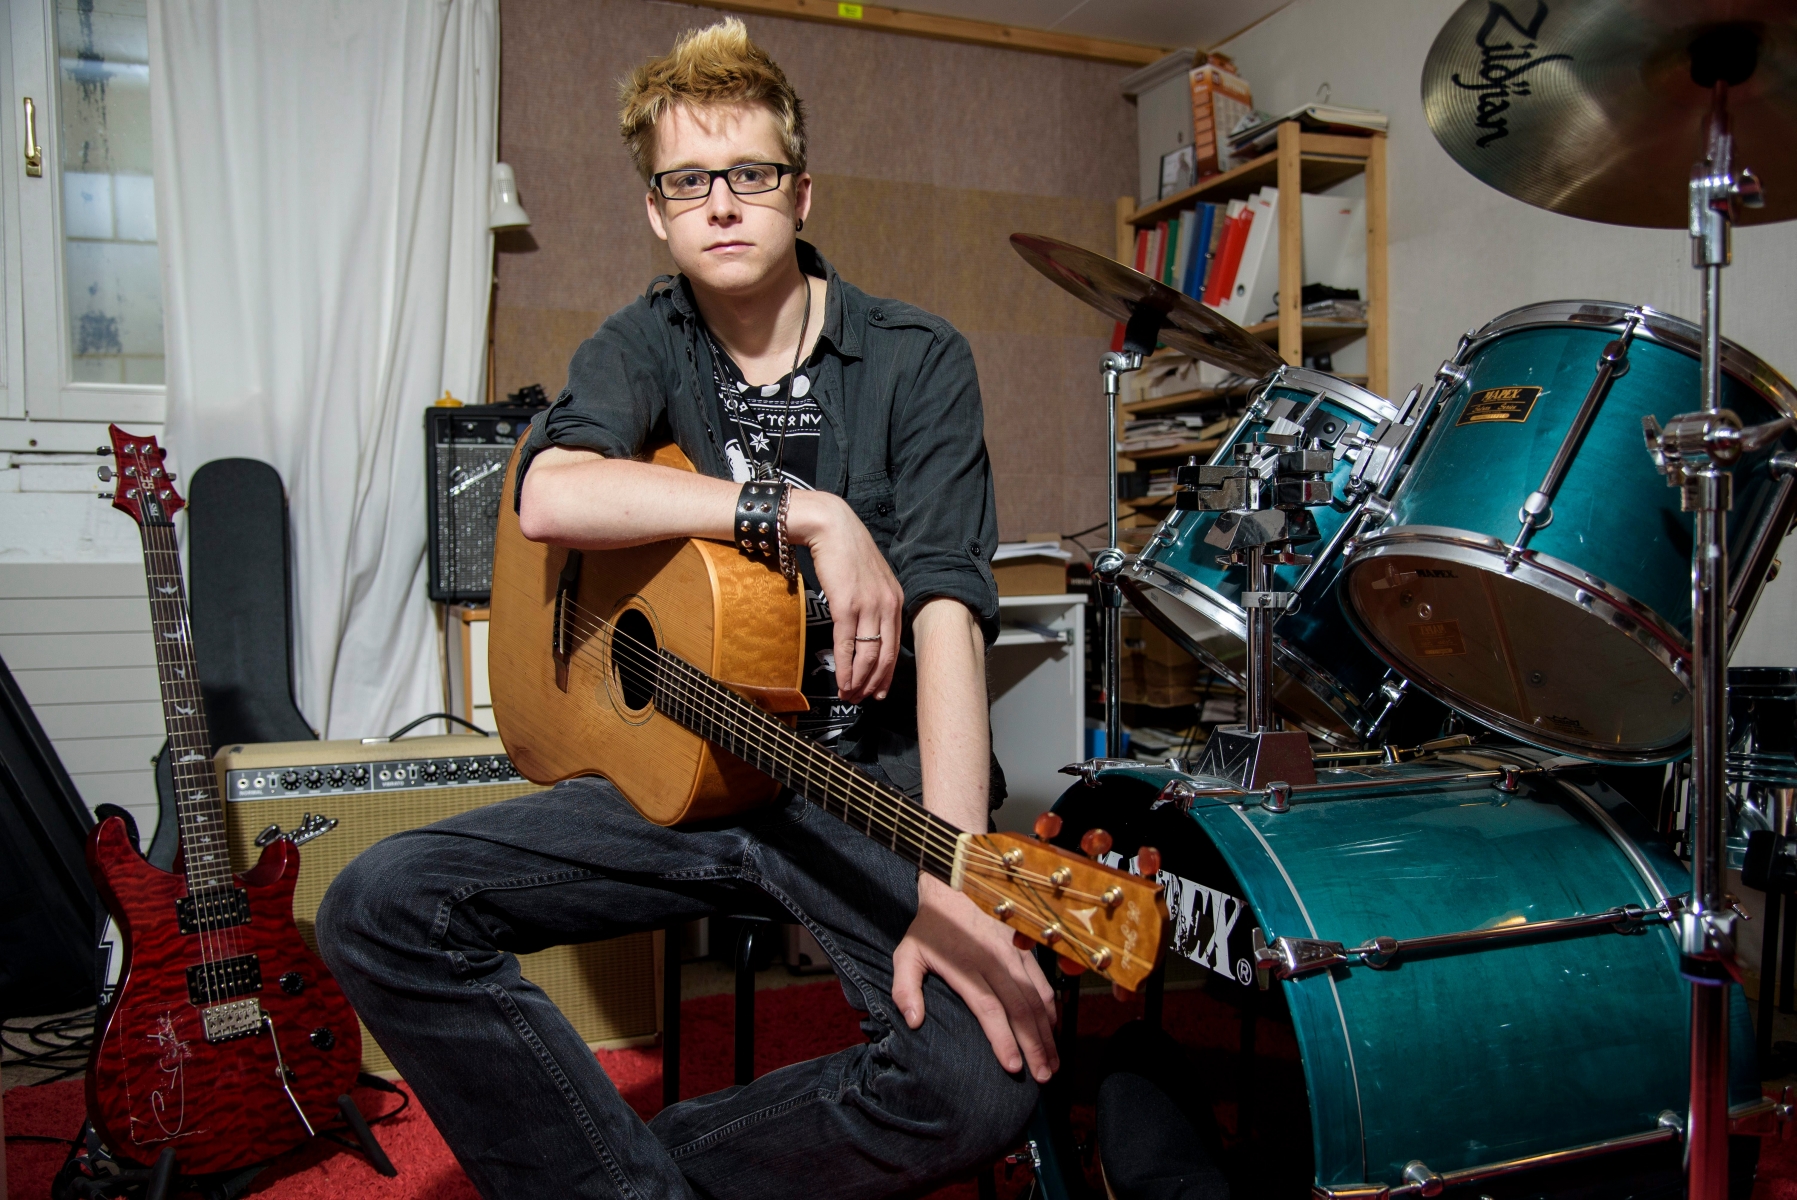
point(1287, 957)
point(1422, 1181)
point(1089, 770)
point(1510, 781)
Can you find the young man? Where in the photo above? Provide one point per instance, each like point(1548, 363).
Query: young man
point(759, 361)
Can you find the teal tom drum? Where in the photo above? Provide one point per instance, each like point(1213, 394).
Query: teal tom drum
point(1468, 1061)
point(1324, 679)
point(1580, 643)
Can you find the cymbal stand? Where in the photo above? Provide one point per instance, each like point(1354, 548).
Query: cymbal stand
point(1696, 452)
point(1108, 563)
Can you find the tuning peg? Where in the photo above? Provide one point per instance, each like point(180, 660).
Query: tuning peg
point(1121, 994)
point(102, 451)
point(1021, 942)
point(105, 474)
point(103, 495)
point(1095, 842)
point(1048, 826)
point(1069, 966)
point(1148, 862)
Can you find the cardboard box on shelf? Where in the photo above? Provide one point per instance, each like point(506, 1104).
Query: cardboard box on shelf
point(1142, 636)
point(1160, 685)
point(1220, 98)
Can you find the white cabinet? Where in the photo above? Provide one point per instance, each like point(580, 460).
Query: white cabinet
point(1036, 676)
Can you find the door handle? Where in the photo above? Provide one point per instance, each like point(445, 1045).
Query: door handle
point(34, 154)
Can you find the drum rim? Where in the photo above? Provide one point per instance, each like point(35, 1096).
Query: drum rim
point(1668, 330)
point(1333, 387)
point(1232, 619)
point(1560, 579)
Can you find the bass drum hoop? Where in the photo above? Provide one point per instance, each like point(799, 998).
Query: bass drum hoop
point(1561, 580)
point(1139, 577)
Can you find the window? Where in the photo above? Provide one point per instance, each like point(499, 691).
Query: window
point(83, 295)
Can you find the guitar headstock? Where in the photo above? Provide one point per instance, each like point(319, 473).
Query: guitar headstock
point(1095, 917)
point(145, 489)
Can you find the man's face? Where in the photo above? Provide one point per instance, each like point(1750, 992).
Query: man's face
point(728, 243)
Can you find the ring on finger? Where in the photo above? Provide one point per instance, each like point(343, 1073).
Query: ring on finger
point(875, 638)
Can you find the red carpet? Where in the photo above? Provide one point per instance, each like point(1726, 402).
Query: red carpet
point(792, 1023)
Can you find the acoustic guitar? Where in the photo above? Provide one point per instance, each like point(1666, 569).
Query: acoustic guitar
point(667, 668)
point(227, 1040)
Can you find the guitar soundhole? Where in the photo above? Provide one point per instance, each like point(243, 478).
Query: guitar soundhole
point(633, 660)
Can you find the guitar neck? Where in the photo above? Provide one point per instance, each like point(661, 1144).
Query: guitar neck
point(876, 809)
point(199, 807)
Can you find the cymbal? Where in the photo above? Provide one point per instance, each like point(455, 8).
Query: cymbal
point(1588, 107)
point(1116, 291)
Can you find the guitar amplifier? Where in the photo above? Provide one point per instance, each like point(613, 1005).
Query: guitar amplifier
point(338, 798)
point(466, 450)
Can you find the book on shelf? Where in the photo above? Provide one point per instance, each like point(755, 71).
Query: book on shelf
point(1141, 263)
point(1335, 242)
point(1172, 250)
point(1182, 250)
point(1260, 136)
point(1229, 254)
point(1191, 279)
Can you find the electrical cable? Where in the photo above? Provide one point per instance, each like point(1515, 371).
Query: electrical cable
point(438, 716)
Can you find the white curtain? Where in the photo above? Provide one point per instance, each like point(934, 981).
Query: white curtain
point(321, 198)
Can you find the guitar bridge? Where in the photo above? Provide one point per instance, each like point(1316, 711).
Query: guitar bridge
point(567, 592)
point(239, 1018)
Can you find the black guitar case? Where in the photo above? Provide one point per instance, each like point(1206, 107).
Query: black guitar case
point(240, 592)
point(48, 907)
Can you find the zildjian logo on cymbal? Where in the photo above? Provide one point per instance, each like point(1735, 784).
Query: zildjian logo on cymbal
point(1502, 66)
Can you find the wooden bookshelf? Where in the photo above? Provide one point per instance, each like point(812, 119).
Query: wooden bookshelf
point(1183, 450)
point(1179, 401)
point(1302, 162)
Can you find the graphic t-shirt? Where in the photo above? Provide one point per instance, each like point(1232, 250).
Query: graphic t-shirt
point(752, 422)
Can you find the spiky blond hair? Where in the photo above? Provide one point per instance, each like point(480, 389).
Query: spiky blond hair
point(714, 65)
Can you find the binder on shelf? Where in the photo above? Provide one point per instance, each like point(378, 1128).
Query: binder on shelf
point(1229, 254)
point(1335, 241)
point(1182, 255)
point(1256, 282)
point(1191, 280)
point(1171, 253)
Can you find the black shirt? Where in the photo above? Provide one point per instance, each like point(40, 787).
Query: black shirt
point(779, 424)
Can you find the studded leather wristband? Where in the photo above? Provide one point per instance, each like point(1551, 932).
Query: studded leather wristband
point(759, 524)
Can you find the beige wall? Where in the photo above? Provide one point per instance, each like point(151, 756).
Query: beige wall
point(926, 155)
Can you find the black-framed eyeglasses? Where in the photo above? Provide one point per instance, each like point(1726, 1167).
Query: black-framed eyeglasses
point(745, 179)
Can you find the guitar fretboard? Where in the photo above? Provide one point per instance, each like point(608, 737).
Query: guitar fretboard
point(878, 810)
point(199, 807)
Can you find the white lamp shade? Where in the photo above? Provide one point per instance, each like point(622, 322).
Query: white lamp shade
point(507, 213)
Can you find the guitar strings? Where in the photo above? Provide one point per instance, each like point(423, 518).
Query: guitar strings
point(191, 780)
point(842, 772)
point(895, 807)
point(644, 661)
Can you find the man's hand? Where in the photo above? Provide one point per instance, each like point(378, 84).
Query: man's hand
point(1001, 985)
point(865, 599)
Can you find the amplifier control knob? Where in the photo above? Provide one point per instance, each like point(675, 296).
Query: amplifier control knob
point(361, 775)
point(338, 775)
point(322, 1038)
point(290, 780)
point(451, 769)
point(293, 983)
point(430, 770)
point(314, 778)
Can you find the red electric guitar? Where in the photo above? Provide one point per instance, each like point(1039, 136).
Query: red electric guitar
point(228, 1041)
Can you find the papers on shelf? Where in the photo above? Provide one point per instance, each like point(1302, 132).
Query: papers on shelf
point(1007, 550)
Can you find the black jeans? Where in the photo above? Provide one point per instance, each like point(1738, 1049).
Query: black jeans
point(422, 931)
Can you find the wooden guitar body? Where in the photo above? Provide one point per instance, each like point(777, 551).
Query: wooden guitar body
point(735, 618)
point(154, 1079)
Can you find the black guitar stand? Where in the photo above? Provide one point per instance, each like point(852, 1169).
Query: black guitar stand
point(91, 1172)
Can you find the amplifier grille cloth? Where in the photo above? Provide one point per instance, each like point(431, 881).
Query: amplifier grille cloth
point(607, 989)
point(467, 511)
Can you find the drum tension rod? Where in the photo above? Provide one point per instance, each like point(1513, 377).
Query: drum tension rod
point(1290, 958)
point(1537, 511)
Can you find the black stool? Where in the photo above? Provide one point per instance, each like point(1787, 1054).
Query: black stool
point(748, 929)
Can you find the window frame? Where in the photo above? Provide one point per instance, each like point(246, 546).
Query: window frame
point(33, 240)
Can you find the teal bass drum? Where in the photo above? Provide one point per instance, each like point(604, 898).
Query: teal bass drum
point(1467, 1063)
point(1581, 645)
point(1324, 680)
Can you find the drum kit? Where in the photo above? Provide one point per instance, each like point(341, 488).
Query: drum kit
point(1493, 967)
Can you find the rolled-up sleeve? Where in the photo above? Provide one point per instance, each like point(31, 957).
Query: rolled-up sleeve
point(616, 392)
point(942, 484)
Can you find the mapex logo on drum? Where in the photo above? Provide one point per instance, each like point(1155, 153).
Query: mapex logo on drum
point(1204, 920)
